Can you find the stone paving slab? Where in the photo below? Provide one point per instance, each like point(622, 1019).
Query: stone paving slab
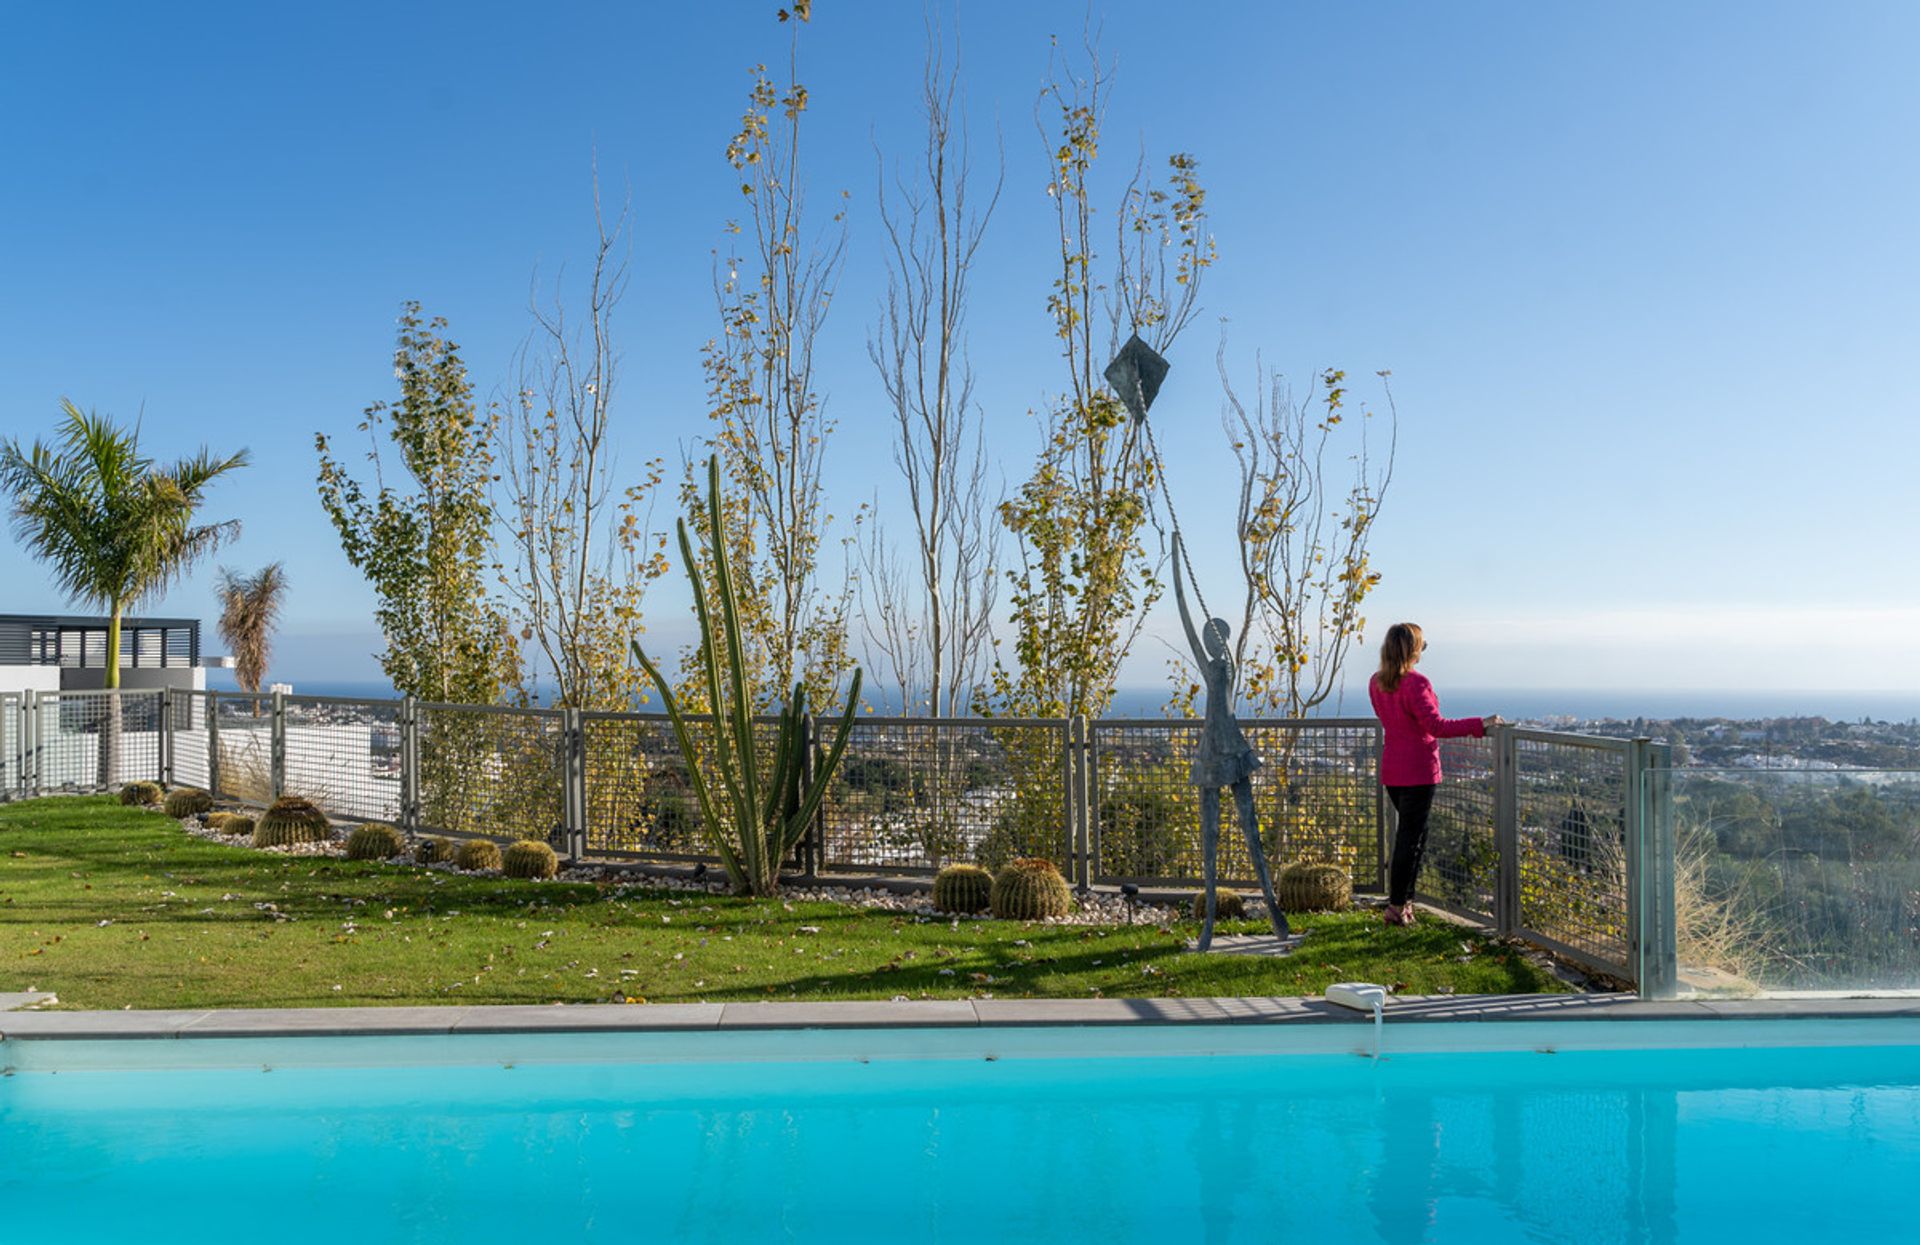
point(858, 1014)
point(929, 1013)
point(1253, 944)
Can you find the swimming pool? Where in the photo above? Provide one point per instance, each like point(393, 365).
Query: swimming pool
point(1486, 1132)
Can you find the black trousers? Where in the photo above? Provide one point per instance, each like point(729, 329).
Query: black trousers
point(1412, 805)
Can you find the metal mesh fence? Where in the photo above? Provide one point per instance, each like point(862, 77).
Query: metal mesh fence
point(495, 772)
point(344, 755)
point(190, 740)
point(639, 798)
point(1315, 795)
point(87, 741)
point(1570, 808)
point(1461, 867)
point(916, 794)
point(12, 745)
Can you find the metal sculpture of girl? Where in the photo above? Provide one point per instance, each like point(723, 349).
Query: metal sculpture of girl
point(1223, 759)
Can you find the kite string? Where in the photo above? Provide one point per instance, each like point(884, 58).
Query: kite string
point(1180, 545)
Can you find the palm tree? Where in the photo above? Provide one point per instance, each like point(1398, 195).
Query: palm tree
point(114, 528)
point(249, 609)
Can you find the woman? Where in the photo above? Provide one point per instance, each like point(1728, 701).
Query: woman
point(1409, 715)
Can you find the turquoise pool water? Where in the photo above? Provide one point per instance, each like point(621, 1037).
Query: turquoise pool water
point(1591, 1132)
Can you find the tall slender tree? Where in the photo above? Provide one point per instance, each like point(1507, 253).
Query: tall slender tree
point(425, 549)
point(249, 611)
point(115, 528)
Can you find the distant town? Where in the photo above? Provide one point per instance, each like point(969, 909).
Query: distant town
point(1797, 743)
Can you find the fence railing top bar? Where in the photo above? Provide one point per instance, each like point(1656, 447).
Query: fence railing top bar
point(1330, 724)
point(1599, 743)
point(443, 706)
point(305, 698)
point(975, 723)
point(1709, 771)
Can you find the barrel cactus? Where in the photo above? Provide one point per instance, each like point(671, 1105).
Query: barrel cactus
point(291, 820)
point(962, 888)
point(1228, 904)
point(476, 855)
point(435, 851)
point(235, 824)
point(187, 802)
point(375, 841)
point(529, 858)
point(1030, 889)
point(1308, 887)
point(135, 793)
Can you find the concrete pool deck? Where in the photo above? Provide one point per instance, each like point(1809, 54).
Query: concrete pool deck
point(917, 1014)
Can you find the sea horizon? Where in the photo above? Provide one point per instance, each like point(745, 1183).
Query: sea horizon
point(1548, 705)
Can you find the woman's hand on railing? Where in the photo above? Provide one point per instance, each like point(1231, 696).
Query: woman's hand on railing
point(1493, 722)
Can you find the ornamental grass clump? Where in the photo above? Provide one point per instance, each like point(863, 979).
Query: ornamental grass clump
point(375, 841)
point(962, 888)
point(136, 793)
point(290, 820)
point(478, 855)
point(1030, 889)
point(435, 851)
point(1228, 905)
point(187, 802)
point(529, 858)
point(1308, 887)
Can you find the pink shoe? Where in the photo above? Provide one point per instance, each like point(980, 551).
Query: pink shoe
point(1398, 914)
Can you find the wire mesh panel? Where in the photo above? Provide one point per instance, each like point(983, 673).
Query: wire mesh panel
point(913, 794)
point(1315, 796)
point(497, 772)
point(240, 747)
point(191, 741)
point(1461, 868)
point(11, 777)
point(344, 755)
point(640, 800)
point(96, 740)
point(1570, 797)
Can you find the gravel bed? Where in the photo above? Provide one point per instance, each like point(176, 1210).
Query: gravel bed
point(1095, 909)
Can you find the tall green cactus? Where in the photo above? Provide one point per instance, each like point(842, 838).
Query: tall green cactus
point(754, 820)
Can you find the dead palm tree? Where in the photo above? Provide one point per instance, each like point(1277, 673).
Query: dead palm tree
point(249, 611)
point(114, 528)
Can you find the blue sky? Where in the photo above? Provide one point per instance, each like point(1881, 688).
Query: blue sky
point(1646, 276)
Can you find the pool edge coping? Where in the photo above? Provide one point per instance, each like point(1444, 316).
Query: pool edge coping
point(912, 1014)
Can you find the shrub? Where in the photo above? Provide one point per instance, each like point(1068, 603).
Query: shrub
point(1030, 889)
point(1307, 887)
point(478, 854)
point(1229, 904)
point(187, 802)
point(141, 793)
point(435, 851)
point(962, 888)
point(529, 858)
point(290, 820)
point(375, 841)
point(235, 824)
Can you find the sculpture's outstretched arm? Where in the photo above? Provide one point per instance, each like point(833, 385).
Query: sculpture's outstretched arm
point(1180, 599)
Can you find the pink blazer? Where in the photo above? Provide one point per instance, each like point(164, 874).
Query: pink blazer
point(1410, 716)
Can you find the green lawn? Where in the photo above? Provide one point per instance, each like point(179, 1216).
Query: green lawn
point(112, 907)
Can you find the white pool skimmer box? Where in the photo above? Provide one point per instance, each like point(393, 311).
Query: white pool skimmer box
point(1362, 996)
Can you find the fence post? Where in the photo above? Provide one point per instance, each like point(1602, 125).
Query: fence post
point(213, 744)
point(1506, 830)
point(409, 766)
point(277, 747)
point(1381, 846)
point(165, 738)
point(1652, 937)
point(1075, 767)
point(573, 804)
